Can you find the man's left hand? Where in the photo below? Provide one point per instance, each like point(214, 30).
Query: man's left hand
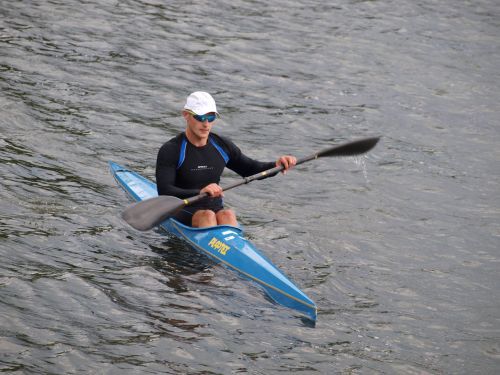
point(287, 161)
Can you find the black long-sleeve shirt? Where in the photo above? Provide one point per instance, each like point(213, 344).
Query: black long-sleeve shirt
point(183, 169)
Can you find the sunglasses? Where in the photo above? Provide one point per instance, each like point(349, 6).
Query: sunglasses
point(210, 117)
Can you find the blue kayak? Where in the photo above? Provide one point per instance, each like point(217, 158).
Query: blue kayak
point(226, 245)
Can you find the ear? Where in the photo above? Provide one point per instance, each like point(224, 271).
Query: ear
point(185, 114)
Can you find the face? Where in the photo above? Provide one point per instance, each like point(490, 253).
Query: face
point(197, 130)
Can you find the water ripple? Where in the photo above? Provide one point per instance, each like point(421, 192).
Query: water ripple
point(398, 248)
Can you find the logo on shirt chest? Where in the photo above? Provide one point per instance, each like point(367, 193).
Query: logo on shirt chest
point(201, 168)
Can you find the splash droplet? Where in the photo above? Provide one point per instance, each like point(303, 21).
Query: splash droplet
point(360, 162)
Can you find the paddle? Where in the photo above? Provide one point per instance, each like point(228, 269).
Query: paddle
point(147, 214)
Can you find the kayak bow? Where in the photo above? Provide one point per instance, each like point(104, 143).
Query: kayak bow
point(226, 244)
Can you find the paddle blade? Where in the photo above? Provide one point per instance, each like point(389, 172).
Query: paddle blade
point(351, 148)
point(147, 214)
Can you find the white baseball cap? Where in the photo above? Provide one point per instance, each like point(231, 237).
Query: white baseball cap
point(200, 102)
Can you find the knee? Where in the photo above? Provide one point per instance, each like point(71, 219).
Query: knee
point(206, 214)
point(204, 218)
point(226, 217)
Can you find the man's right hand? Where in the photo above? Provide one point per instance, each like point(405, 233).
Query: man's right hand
point(213, 190)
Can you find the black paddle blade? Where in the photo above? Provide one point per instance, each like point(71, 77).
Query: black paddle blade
point(351, 148)
point(147, 214)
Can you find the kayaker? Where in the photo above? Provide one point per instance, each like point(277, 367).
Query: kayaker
point(192, 163)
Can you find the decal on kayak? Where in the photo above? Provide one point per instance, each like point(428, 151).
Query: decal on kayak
point(220, 246)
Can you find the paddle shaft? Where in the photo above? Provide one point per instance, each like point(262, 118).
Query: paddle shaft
point(348, 149)
point(147, 214)
point(259, 176)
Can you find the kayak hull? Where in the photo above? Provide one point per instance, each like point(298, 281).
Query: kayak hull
point(225, 244)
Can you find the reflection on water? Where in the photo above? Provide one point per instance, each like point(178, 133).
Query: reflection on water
point(178, 261)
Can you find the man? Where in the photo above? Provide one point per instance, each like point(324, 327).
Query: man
point(192, 162)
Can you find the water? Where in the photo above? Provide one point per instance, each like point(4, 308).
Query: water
point(400, 251)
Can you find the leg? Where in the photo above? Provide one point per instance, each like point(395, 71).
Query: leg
point(204, 218)
point(226, 217)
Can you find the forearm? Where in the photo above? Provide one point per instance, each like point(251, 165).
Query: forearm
point(247, 167)
point(176, 192)
point(165, 182)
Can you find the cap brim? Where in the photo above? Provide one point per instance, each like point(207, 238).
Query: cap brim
point(201, 113)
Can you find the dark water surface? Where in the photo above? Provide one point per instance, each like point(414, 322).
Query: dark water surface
point(399, 249)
